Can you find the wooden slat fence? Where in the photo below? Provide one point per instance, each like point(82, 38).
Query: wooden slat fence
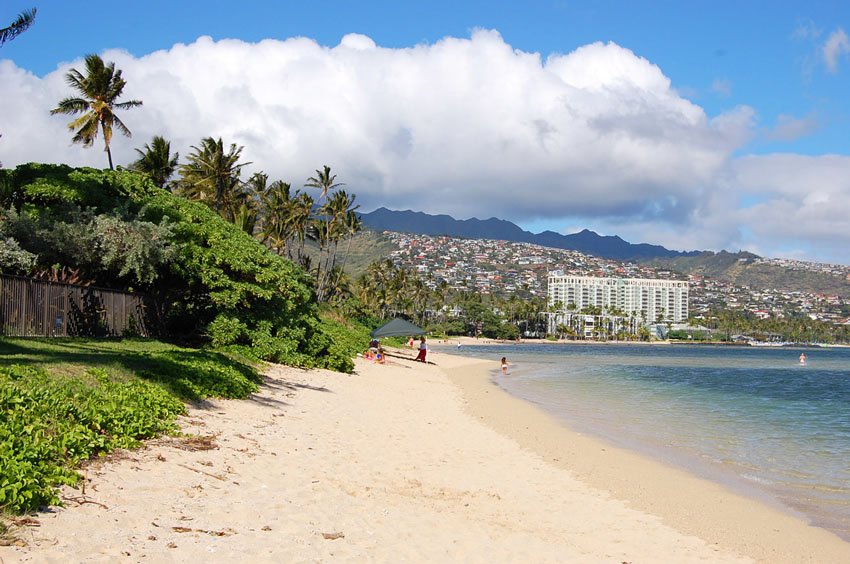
point(36, 308)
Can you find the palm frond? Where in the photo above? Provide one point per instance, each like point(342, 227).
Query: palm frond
point(86, 127)
point(22, 23)
point(127, 105)
point(119, 125)
point(71, 106)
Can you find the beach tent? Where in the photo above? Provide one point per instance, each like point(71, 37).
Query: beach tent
point(397, 328)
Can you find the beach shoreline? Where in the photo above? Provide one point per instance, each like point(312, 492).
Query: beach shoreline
point(401, 461)
point(748, 523)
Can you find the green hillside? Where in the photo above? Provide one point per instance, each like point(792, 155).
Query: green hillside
point(743, 269)
point(367, 246)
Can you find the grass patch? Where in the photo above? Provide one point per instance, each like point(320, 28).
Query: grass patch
point(63, 401)
point(190, 374)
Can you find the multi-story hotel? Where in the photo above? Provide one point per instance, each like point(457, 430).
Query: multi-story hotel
point(664, 299)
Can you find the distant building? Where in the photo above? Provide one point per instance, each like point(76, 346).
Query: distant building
point(659, 299)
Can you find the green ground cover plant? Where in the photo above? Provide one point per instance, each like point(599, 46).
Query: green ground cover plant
point(63, 401)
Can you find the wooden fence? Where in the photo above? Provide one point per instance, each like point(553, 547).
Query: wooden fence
point(37, 308)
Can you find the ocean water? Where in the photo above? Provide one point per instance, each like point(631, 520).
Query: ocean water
point(751, 418)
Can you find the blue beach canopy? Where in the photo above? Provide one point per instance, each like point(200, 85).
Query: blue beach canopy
point(397, 328)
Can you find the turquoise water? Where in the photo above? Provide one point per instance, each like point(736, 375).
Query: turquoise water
point(751, 418)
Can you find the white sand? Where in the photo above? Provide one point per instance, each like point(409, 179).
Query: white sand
point(393, 463)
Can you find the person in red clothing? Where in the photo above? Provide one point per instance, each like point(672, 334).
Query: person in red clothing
point(423, 348)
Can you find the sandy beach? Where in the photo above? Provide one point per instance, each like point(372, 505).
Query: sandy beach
point(401, 462)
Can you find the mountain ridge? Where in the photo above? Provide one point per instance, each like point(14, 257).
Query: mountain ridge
point(585, 241)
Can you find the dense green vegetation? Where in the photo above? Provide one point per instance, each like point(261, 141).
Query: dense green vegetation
point(793, 329)
point(222, 293)
point(65, 400)
point(214, 282)
point(386, 290)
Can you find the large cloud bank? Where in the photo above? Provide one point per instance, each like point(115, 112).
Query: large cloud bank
point(470, 127)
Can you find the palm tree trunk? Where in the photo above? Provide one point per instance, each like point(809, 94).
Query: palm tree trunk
point(344, 260)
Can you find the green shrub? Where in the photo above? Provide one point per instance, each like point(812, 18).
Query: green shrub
point(225, 330)
point(213, 282)
point(48, 424)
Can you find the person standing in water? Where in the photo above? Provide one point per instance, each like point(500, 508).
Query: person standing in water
point(802, 358)
point(504, 365)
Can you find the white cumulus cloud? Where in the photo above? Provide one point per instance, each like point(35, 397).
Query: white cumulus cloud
point(464, 126)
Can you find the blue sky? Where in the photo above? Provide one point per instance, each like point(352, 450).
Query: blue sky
point(778, 71)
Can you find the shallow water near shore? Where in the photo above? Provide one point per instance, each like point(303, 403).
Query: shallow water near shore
point(751, 418)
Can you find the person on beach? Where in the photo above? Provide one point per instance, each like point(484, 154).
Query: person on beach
point(422, 349)
point(380, 357)
point(504, 365)
point(410, 342)
point(372, 351)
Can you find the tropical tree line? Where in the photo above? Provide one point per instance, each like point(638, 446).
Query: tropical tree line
point(212, 282)
point(385, 290)
point(792, 328)
point(312, 232)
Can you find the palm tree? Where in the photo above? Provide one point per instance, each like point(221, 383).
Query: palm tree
point(245, 217)
point(334, 220)
point(377, 286)
point(350, 227)
point(212, 176)
point(298, 223)
point(100, 89)
point(156, 161)
point(24, 20)
point(324, 181)
point(331, 218)
point(276, 202)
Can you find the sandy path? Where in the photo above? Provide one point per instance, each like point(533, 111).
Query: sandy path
point(383, 465)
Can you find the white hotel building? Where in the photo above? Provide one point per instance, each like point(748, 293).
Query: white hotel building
point(665, 298)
